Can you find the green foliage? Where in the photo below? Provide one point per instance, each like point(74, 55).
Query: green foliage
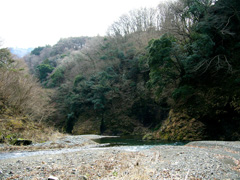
point(202, 44)
point(196, 9)
point(160, 53)
point(57, 77)
point(78, 79)
point(165, 65)
point(37, 51)
point(44, 70)
point(183, 92)
point(202, 68)
point(206, 53)
point(89, 93)
point(97, 87)
point(193, 69)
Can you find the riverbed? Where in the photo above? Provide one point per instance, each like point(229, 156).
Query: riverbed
point(84, 158)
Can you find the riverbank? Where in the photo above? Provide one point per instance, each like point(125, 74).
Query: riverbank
point(64, 141)
point(196, 160)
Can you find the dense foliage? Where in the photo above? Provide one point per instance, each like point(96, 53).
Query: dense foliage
point(181, 58)
point(202, 69)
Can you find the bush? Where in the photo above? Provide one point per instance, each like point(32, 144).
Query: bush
point(44, 70)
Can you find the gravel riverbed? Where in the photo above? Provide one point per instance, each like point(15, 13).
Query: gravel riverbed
point(81, 158)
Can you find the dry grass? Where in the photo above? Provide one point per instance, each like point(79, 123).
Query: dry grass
point(124, 166)
point(20, 127)
point(24, 106)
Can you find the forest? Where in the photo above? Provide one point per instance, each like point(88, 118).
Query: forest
point(169, 73)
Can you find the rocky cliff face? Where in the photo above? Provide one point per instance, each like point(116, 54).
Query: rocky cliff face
point(180, 126)
point(111, 123)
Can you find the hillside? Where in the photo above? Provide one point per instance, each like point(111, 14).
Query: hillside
point(25, 107)
point(169, 73)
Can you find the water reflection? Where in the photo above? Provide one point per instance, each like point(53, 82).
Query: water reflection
point(135, 141)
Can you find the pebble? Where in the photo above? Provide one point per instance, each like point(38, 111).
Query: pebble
point(171, 162)
point(81, 177)
point(52, 178)
point(28, 169)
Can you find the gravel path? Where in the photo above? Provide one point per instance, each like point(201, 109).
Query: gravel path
point(196, 160)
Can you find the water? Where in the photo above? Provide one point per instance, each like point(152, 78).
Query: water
point(135, 141)
point(8, 155)
point(127, 143)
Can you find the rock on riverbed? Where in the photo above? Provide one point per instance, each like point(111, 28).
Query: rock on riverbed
point(197, 160)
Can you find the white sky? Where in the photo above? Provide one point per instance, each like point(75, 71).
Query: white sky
point(32, 23)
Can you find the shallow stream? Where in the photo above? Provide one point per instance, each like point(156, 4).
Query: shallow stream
point(134, 141)
point(17, 154)
point(128, 143)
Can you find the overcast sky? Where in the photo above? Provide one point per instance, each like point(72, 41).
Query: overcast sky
point(32, 23)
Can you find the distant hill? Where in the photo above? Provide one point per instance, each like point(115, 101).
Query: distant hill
point(20, 52)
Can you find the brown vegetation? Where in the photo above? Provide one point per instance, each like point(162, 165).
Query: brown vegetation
point(24, 105)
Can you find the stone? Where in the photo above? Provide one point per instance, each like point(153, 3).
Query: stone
point(81, 177)
point(73, 171)
point(52, 178)
point(28, 169)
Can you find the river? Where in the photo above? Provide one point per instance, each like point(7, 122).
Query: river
point(127, 143)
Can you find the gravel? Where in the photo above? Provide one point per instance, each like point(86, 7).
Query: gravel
point(196, 160)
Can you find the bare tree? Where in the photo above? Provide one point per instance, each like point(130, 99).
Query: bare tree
point(143, 20)
point(20, 92)
point(135, 21)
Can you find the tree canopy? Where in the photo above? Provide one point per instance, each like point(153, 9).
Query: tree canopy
point(177, 60)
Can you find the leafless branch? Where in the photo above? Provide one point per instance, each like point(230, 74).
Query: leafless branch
point(221, 63)
point(223, 31)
